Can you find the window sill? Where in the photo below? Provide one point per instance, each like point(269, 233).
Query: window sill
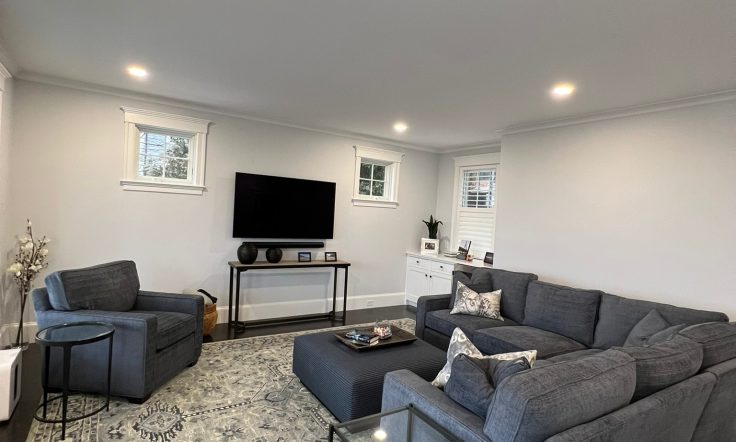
point(153, 186)
point(375, 203)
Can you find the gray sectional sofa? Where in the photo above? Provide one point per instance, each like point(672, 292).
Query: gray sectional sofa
point(586, 386)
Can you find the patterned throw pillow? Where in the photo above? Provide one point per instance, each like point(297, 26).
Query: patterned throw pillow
point(460, 344)
point(470, 302)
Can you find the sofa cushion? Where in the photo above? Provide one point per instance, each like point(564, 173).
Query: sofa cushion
point(617, 316)
point(474, 380)
point(460, 344)
point(111, 287)
point(718, 340)
point(442, 321)
point(513, 286)
point(575, 355)
point(665, 335)
point(650, 324)
point(508, 339)
point(563, 310)
point(171, 326)
point(470, 302)
point(577, 391)
point(661, 365)
point(479, 280)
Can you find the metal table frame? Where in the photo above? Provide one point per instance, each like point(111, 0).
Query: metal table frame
point(237, 268)
point(67, 349)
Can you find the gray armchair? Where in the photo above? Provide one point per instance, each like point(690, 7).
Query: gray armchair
point(156, 334)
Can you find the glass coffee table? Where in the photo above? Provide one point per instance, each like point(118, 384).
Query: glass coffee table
point(400, 425)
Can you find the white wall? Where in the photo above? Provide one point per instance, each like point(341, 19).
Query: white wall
point(68, 153)
point(446, 191)
point(9, 301)
point(643, 206)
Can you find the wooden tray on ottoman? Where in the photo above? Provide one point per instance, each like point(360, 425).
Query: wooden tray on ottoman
point(398, 337)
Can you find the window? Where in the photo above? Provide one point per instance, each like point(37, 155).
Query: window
point(376, 177)
point(164, 153)
point(474, 217)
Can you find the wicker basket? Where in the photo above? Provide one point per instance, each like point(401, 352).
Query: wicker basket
point(210, 318)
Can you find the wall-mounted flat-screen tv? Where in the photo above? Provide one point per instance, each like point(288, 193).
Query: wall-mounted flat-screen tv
point(278, 207)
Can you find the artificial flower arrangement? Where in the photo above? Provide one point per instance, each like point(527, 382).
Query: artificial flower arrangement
point(30, 259)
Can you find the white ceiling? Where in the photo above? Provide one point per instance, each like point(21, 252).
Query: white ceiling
point(455, 71)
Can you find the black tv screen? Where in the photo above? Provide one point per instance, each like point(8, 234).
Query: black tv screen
point(277, 207)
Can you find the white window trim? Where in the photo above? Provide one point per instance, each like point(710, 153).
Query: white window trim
point(193, 128)
point(392, 161)
point(487, 159)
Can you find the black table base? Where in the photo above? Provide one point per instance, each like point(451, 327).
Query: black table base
point(237, 269)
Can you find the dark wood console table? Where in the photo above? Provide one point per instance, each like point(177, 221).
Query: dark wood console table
point(236, 268)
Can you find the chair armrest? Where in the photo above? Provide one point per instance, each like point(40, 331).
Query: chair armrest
point(41, 299)
point(427, 304)
point(169, 302)
point(403, 387)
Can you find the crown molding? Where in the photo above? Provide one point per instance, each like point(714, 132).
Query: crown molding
point(182, 104)
point(494, 144)
point(622, 112)
point(4, 73)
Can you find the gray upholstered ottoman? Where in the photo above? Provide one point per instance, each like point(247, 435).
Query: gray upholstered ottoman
point(350, 383)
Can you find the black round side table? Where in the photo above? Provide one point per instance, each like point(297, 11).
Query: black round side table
point(67, 336)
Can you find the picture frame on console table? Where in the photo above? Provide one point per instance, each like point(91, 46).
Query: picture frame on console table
point(429, 246)
point(304, 256)
point(462, 251)
point(330, 256)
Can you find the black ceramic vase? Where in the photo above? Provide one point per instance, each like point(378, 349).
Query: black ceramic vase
point(247, 253)
point(273, 255)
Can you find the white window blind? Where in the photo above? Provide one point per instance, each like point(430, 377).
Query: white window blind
point(476, 211)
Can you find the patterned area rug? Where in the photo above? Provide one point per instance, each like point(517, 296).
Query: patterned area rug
point(241, 389)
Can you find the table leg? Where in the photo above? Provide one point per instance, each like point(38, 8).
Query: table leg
point(237, 301)
point(345, 297)
point(230, 301)
point(47, 356)
point(65, 389)
point(334, 295)
point(109, 373)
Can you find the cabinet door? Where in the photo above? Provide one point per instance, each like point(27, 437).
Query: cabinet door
point(440, 284)
point(417, 282)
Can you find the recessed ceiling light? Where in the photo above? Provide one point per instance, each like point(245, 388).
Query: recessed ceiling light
point(137, 71)
point(400, 127)
point(562, 90)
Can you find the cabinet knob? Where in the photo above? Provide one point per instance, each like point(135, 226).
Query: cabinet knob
point(430, 276)
point(425, 275)
point(442, 267)
point(417, 261)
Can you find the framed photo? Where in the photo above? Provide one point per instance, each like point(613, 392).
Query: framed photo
point(462, 251)
point(330, 256)
point(429, 246)
point(305, 256)
point(488, 258)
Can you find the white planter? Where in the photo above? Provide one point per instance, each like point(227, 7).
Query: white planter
point(10, 368)
point(429, 246)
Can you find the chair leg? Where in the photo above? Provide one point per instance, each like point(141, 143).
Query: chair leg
point(138, 400)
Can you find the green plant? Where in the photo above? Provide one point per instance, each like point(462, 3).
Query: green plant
point(432, 226)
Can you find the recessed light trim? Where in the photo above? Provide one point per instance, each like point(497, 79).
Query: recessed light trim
point(400, 127)
point(137, 71)
point(561, 91)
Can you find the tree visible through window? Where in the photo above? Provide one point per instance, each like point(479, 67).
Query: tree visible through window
point(372, 179)
point(163, 156)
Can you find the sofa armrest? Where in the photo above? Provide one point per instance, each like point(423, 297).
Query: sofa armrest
point(172, 302)
point(41, 299)
point(134, 343)
point(403, 387)
point(427, 304)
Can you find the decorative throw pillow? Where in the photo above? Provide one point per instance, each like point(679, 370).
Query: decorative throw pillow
point(475, 379)
point(470, 302)
point(652, 329)
point(460, 344)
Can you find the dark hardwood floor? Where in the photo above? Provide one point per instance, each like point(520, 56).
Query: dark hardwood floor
point(16, 429)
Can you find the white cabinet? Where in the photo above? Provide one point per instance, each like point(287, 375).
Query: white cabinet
point(427, 276)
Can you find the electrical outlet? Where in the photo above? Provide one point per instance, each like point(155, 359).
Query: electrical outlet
point(370, 303)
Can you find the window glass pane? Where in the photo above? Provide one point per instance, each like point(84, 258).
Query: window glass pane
point(377, 188)
point(364, 187)
point(150, 165)
point(177, 147)
point(379, 172)
point(152, 144)
point(365, 170)
point(177, 168)
point(478, 188)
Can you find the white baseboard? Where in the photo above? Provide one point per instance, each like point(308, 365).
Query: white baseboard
point(268, 310)
point(8, 331)
point(411, 300)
